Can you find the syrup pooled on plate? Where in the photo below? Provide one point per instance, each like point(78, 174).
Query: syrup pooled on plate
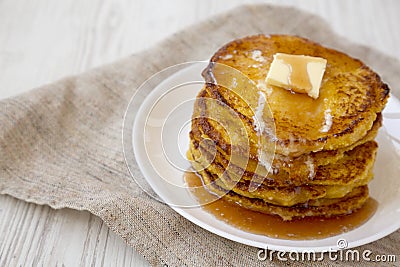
point(273, 226)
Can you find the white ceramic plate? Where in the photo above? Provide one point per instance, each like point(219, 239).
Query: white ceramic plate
point(161, 138)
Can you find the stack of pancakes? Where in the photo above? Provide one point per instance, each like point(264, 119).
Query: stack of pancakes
point(284, 153)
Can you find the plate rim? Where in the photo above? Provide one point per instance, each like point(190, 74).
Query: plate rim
point(212, 229)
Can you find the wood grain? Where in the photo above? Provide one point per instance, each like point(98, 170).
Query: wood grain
point(42, 41)
point(38, 235)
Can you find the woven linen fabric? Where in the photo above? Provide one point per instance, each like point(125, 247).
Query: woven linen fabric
point(61, 144)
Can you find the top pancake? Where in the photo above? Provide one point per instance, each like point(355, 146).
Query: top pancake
point(350, 92)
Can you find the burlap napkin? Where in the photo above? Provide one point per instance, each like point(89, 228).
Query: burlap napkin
point(60, 145)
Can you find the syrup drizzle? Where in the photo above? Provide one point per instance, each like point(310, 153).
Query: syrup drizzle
point(298, 72)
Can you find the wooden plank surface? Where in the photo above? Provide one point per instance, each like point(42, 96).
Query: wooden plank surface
point(42, 41)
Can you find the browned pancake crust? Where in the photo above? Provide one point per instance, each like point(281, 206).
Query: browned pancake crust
point(294, 167)
point(355, 93)
point(288, 195)
point(347, 169)
point(314, 172)
point(210, 128)
point(351, 202)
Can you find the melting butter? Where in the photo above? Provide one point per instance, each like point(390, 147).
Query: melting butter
point(298, 73)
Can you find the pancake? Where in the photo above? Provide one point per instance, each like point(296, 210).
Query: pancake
point(352, 92)
point(216, 131)
point(280, 195)
point(283, 153)
point(299, 166)
point(332, 207)
point(343, 171)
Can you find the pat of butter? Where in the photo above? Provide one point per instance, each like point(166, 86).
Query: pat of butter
point(298, 73)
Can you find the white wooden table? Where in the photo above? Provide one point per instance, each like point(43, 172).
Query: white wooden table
point(42, 41)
